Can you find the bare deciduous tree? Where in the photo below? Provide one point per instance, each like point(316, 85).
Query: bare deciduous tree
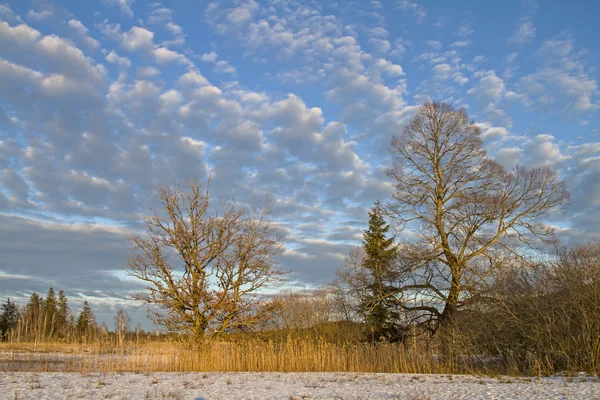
point(306, 309)
point(463, 208)
point(351, 284)
point(203, 268)
point(122, 321)
point(545, 314)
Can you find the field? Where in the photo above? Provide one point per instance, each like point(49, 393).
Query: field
point(167, 370)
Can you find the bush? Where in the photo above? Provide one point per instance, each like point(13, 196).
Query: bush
point(539, 318)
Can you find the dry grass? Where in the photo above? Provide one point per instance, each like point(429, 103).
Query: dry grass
point(255, 356)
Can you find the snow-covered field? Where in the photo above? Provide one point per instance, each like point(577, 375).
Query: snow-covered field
point(54, 385)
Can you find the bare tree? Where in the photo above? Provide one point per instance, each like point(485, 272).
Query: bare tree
point(204, 269)
point(463, 209)
point(352, 284)
point(122, 321)
point(545, 315)
point(306, 309)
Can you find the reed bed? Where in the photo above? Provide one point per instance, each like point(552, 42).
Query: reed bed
point(249, 356)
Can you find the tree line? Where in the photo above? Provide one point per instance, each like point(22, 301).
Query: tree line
point(50, 318)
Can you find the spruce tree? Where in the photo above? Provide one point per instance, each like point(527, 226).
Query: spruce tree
point(50, 313)
point(378, 304)
point(34, 311)
point(86, 319)
point(8, 318)
point(62, 313)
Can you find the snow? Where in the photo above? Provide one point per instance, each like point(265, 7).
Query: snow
point(215, 385)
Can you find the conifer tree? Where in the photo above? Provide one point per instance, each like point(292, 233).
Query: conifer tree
point(32, 320)
point(62, 313)
point(86, 319)
point(50, 313)
point(8, 318)
point(378, 305)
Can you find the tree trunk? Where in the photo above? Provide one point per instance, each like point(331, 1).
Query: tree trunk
point(453, 294)
point(445, 322)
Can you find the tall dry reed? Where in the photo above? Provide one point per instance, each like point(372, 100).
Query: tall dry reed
point(292, 355)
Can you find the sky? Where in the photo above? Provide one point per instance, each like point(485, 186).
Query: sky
point(101, 101)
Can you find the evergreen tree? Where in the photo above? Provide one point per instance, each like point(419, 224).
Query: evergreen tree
point(378, 304)
point(62, 313)
point(33, 306)
point(32, 319)
point(50, 313)
point(86, 319)
point(8, 318)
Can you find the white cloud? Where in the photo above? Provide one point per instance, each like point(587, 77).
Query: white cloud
point(174, 29)
point(142, 39)
point(7, 14)
point(18, 73)
point(164, 55)
point(221, 66)
point(585, 149)
point(144, 89)
point(209, 57)
point(59, 56)
point(21, 35)
point(123, 5)
point(434, 44)
point(578, 91)
point(114, 58)
point(441, 69)
point(509, 157)
point(489, 87)
point(224, 67)
point(460, 43)
point(491, 133)
point(192, 78)
point(543, 150)
point(524, 33)
point(415, 9)
point(137, 38)
point(562, 82)
point(388, 67)
point(43, 15)
point(380, 45)
point(511, 57)
point(64, 57)
point(379, 32)
point(81, 33)
point(171, 98)
point(53, 85)
point(196, 146)
point(230, 19)
point(146, 72)
point(464, 31)
point(243, 13)
point(161, 15)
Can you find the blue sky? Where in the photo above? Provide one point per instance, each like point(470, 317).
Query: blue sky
point(100, 101)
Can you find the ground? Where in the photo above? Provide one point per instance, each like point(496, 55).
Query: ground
point(72, 385)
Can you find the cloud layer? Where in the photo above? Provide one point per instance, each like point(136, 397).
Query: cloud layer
point(296, 99)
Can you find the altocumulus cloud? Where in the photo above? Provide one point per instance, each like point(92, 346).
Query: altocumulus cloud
point(100, 104)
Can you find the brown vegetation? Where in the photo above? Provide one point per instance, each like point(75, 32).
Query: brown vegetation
point(203, 269)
